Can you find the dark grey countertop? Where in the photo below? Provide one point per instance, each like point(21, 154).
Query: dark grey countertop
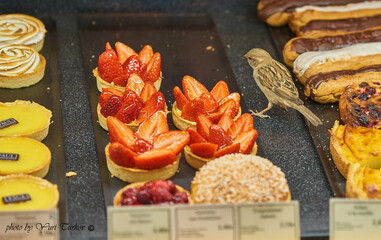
point(284, 138)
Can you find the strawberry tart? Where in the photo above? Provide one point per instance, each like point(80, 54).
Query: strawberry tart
point(151, 152)
point(115, 67)
point(196, 100)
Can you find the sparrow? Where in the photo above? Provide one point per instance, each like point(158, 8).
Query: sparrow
point(275, 81)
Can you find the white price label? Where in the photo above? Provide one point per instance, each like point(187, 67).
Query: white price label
point(31, 225)
point(139, 223)
point(204, 222)
point(269, 221)
point(354, 219)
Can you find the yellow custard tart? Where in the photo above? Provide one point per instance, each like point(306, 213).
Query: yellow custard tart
point(24, 118)
point(25, 192)
point(32, 158)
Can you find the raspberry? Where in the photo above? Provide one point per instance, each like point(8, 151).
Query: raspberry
point(180, 197)
point(144, 196)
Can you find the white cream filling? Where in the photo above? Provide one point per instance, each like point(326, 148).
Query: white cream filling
point(305, 60)
point(36, 39)
point(342, 8)
point(16, 60)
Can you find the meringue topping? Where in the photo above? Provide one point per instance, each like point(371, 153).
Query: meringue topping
point(16, 60)
point(21, 29)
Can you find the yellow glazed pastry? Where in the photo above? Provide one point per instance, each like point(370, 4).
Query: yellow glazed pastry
point(33, 119)
point(15, 189)
point(363, 182)
point(22, 29)
point(32, 158)
point(20, 66)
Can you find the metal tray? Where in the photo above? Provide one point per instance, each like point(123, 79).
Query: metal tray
point(47, 93)
point(172, 36)
point(328, 113)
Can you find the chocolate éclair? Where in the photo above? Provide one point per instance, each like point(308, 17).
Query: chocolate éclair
point(300, 45)
point(324, 27)
point(278, 12)
point(303, 15)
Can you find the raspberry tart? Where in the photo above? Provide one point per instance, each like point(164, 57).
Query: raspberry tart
point(196, 99)
point(163, 192)
point(139, 101)
point(115, 67)
point(152, 152)
point(211, 140)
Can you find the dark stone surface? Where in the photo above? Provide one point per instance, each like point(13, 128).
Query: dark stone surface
point(284, 138)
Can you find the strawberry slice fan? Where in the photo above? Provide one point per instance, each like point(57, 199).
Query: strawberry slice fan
point(115, 68)
point(139, 101)
point(214, 122)
point(151, 152)
point(196, 100)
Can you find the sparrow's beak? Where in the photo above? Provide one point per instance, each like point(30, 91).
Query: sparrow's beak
point(244, 57)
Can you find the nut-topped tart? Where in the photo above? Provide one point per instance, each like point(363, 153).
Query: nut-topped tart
point(152, 152)
point(196, 99)
point(115, 68)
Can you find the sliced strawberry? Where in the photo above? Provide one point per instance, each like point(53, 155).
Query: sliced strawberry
point(195, 137)
point(210, 104)
point(112, 106)
point(225, 122)
point(147, 91)
point(215, 117)
point(181, 100)
point(118, 132)
point(122, 155)
point(107, 93)
point(218, 136)
point(131, 105)
point(228, 108)
point(121, 80)
point(124, 51)
point(153, 68)
point(234, 148)
point(192, 88)
point(220, 90)
point(132, 65)
point(135, 83)
point(246, 140)
point(154, 104)
point(174, 140)
point(203, 124)
point(152, 126)
point(142, 146)
point(155, 159)
point(146, 54)
point(192, 109)
point(108, 46)
point(204, 149)
point(235, 96)
point(244, 123)
point(109, 66)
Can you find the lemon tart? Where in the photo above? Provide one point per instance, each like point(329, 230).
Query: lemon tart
point(25, 192)
point(20, 66)
point(24, 118)
point(32, 158)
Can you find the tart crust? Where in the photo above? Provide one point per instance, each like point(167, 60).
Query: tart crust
point(24, 80)
point(140, 175)
point(103, 84)
point(183, 124)
point(363, 182)
point(38, 134)
point(197, 161)
point(119, 195)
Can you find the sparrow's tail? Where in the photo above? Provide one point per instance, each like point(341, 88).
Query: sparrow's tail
point(308, 114)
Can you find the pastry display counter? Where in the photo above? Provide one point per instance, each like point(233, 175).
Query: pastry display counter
point(183, 34)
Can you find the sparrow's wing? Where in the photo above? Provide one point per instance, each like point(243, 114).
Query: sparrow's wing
point(277, 79)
